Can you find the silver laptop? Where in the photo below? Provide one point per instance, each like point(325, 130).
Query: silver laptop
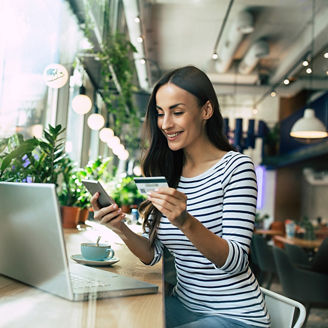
point(32, 248)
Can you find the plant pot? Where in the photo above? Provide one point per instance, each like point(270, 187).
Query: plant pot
point(70, 216)
point(126, 208)
point(84, 213)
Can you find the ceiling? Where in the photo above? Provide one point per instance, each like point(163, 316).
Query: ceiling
point(182, 32)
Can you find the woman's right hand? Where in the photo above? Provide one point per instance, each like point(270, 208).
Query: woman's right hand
point(110, 216)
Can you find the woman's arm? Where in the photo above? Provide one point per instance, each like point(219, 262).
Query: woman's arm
point(112, 217)
point(173, 204)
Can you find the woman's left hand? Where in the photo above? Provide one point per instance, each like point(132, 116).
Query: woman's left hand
point(171, 203)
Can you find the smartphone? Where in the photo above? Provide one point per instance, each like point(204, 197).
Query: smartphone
point(147, 184)
point(94, 186)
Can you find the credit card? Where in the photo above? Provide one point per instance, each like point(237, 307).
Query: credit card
point(147, 184)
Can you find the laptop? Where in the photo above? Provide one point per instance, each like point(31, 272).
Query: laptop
point(32, 248)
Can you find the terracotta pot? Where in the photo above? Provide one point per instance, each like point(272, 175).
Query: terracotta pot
point(70, 216)
point(84, 213)
point(126, 208)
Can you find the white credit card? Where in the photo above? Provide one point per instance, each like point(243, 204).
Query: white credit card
point(147, 184)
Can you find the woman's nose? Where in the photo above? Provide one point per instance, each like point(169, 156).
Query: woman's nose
point(167, 122)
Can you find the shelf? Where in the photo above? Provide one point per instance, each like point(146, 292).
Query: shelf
point(309, 152)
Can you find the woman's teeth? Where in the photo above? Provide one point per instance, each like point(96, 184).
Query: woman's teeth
point(173, 135)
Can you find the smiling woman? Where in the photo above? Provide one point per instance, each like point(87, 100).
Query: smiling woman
point(205, 218)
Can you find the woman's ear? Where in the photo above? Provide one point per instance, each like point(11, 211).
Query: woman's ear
point(207, 110)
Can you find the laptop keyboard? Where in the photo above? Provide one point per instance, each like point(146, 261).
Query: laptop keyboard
point(82, 282)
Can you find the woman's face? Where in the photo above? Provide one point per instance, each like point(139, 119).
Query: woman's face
point(180, 117)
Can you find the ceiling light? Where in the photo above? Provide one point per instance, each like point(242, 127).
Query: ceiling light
point(55, 76)
point(215, 56)
point(139, 39)
point(137, 19)
point(143, 61)
point(113, 142)
point(308, 127)
point(96, 121)
point(81, 103)
point(308, 70)
point(105, 134)
point(273, 93)
point(325, 55)
point(286, 81)
point(305, 63)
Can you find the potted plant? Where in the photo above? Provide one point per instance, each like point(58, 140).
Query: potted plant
point(126, 194)
point(259, 220)
point(271, 141)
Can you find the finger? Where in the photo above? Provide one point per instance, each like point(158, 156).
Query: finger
point(153, 196)
point(94, 201)
point(172, 192)
point(113, 217)
point(105, 210)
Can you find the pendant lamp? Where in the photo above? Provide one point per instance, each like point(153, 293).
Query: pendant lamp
point(81, 103)
point(106, 133)
point(96, 121)
point(308, 127)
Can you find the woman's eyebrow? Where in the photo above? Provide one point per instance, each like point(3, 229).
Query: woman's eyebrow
point(171, 107)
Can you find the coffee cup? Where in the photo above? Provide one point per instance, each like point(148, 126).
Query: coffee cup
point(97, 252)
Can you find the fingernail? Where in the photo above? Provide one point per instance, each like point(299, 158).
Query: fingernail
point(119, 210)
point(115, 205)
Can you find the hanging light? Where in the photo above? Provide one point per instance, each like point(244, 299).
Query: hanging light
point(81, 103)
point(106, 133)
point(308, 127)
point(55, 76)
point(96, 121)
point(113, 142)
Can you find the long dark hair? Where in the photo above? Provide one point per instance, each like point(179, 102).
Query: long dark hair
point(159, 159)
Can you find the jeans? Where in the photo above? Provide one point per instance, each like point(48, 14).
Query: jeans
point(178, 316)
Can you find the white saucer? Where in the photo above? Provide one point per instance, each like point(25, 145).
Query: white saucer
point(80, 259)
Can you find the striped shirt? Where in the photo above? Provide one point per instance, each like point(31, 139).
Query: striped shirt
point(223, 199)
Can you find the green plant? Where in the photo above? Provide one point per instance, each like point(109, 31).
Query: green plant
point(271, 140)
point(33, 160)
point(259, 219)
point(127, 193)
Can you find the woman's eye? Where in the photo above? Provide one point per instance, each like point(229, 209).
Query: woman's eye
point(178, 113)
point(160, 114)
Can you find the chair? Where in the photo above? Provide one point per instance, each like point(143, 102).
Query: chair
point(298, 256)
point(264, 259)
point(282, 310)
point(305, 286)
point(320, 259)
point(278, 225)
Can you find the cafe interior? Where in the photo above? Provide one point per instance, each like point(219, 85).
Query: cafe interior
point(75, 80)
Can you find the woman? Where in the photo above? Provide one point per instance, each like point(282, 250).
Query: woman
point(206, 217)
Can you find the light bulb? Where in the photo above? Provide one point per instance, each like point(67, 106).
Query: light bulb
point(96, 121)
point(105, 134)
point(81, 104)
point(215, 56)
point(137, 170)
point(113, 141)
point(55, 76)
point(308, 70)
point(124, 155)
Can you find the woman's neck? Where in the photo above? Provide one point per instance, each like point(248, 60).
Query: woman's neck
point(200, 159)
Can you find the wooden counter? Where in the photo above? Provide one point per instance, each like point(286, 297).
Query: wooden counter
point(309, 244)
point(24, 306)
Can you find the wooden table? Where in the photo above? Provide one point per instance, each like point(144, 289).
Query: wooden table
point(268, 232)
point(309, 244)
point(24, 306)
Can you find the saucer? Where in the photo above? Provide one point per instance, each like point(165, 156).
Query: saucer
point(80, 259)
